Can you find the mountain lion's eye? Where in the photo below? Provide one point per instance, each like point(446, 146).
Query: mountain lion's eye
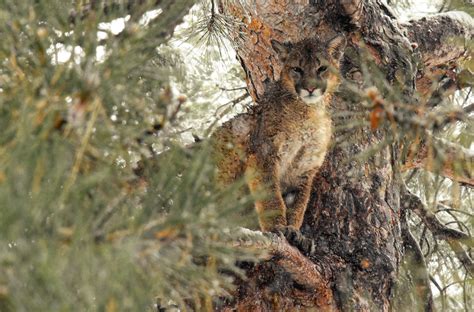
point(297, 70)
point(322, 69)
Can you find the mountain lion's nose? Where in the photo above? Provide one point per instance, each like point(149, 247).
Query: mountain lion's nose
point(310, 90)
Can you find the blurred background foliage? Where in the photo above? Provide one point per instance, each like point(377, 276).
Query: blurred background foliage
point(87, 96)
point(91, 94)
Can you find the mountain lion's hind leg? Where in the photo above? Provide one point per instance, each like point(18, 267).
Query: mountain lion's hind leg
point(262, 182)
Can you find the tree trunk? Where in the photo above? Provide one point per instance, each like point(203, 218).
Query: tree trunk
point(354, 215)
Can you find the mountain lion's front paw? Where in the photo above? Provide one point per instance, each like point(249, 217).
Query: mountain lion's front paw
point(298, 240)
point(291, 234)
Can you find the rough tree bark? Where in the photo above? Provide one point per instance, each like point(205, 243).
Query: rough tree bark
point(355, 219)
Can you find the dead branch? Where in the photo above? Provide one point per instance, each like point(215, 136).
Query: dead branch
point(441, 291)
point(453, 237)
point(444, 207)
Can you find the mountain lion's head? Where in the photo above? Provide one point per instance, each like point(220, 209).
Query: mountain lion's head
point(310, 67)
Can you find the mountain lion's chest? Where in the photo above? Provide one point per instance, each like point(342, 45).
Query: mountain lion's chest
point(302, 142)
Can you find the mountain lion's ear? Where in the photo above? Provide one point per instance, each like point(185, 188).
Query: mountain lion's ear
point(336, 47)
point(282, 49)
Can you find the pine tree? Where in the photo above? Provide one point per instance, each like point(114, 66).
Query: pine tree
point(107, 204)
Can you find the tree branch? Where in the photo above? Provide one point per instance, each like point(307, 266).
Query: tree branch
point(434, 36)
point(442, 41)
point(453, 237)
point(290, 258)
point(285, 267)
point(445, 158)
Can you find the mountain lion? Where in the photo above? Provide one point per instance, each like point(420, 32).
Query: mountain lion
point(280, 145)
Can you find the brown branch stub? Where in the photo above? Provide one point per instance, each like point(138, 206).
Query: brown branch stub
point(453, 237)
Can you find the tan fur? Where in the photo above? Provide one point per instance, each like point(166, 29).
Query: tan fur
point(280, 145)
